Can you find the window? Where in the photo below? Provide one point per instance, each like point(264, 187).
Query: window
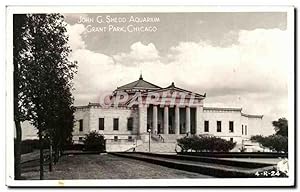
point(246, 130)
point(219, 126)
point(242, 129)
point(129, 138)
point(130, 124)
point(115, 138)
point(206, 126)
point(80, 138)
point(116, 124)
point(101, 123)
point(231, 139)
point(231, 130)
point(81, 125)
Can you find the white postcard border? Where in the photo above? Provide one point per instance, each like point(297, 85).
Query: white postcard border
point(145, 182)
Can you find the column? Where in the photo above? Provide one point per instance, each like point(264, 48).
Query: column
point(177, 120)
point(154, 119)
point(142, 130)
point(187, 119)
point(199, 120)
point(166, 120)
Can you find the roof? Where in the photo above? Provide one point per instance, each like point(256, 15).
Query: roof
point(139, 84)
point(172, 87)
point(223, 109)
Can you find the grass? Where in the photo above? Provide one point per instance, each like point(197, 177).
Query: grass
point(105, 166)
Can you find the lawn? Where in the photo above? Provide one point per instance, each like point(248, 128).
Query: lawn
point(105, 166)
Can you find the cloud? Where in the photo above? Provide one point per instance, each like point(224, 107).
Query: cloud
point(139, 53)
point(76, 33)
point(255, 64)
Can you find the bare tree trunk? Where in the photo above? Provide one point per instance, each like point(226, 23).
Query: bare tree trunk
point(17, 143)
point(41, 155)
point(57, 152)
point(60, 150)
point(17, 150)
point(55, 155)
point(18, 21)
point(51, 157)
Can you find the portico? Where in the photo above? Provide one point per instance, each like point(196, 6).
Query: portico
point(170, 111)
point(175, 120)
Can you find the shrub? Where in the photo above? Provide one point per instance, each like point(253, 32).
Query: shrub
point(94, 141)
point(278, 143)
point(185, 143)
point(205, 143)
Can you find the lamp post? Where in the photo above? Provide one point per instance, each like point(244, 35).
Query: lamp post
point(243, 145)
point(149, 131)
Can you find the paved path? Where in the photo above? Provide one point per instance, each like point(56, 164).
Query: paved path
point(111, 167)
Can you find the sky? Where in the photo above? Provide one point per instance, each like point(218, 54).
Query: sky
point(237, 59)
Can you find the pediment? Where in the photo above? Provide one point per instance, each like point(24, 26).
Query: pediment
point(167, 95)
point(174, 91)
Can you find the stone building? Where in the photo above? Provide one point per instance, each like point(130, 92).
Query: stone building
point(141, 111)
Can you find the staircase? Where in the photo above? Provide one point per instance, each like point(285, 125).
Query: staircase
point(157, 138)
point(171, 138)
point(159, 143)
point(156, 147)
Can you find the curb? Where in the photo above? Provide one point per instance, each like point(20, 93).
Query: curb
point(210, 160)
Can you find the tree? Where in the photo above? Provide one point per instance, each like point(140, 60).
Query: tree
point(258, 138)
point(62, 135)
point(277, 141)
point(46, 77)
point(94, 141)
point(51, 86)
point(281, 126)
point(20, 58)
point(274, 142)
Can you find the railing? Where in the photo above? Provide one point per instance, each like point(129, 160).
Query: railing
point(157, 137)
point(161, 138)
point(154, 137)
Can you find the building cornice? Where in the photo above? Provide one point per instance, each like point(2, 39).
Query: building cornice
point(222, 109)
point(231, 109)
point(252, 116)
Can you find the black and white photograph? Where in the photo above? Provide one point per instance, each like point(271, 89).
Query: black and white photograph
point(150, 96)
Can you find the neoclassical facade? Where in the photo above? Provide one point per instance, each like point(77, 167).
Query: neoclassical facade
point(140, 110)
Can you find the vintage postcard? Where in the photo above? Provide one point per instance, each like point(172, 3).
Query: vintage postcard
point(157, 96)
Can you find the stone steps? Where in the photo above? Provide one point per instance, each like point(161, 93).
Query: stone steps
point(163, 143)
point(171, 137)
point(156, 147)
